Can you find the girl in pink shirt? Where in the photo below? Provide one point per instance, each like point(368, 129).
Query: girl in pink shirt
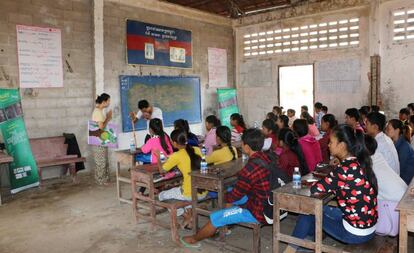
point(212, 122)
point(313, 129)
point(159, 141)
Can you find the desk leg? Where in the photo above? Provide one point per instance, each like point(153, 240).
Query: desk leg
point(276, 225)
point(220, 203)
point(134, 199)
point(118, 185)
point(318, 227)
point(153, 207)
point(194, 203)
point(403, 232)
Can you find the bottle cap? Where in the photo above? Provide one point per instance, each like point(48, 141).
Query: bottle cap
point(296, 169)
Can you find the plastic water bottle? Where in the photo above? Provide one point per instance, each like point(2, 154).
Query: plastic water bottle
point(132, 147)
point(162, 157)
point(203, 151)
point(203, 165)
point(244, 157)
point(297, 179)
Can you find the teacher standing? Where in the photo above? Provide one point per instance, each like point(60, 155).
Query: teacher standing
point(101, 152)
point(147, 112)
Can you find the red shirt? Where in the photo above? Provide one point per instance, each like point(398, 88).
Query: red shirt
point(288, 160)
point(253, 182)
point(239, 129)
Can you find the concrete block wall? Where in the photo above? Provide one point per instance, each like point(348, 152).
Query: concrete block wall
point(52, 111)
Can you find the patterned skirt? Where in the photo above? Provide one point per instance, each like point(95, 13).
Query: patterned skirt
point(101, 165)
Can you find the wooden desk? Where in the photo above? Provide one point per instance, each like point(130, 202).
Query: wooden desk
point(4, 159)
point(406, 208)
point(216, 179)
point(128, 158)
point(300, 201)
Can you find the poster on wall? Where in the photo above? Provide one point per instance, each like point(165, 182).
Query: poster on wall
point(108, 137)
point(227, 100)
point(177, 97)
point(23, 169)
point(217, 67)
point(150, 44)
point(39, 52)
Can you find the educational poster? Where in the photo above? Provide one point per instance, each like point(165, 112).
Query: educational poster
point(39, 53)
point(107, 137)
point(217, 67)
point(177, 97)
point(23, 170)
point(151, 44)
point(227, 100)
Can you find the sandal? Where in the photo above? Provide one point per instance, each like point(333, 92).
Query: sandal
point(188, 245)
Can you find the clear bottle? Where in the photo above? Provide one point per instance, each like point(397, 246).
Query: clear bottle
point(203, 165)
point(297, 184)
point(162, 157)
point(203, 150)
point(132, 147)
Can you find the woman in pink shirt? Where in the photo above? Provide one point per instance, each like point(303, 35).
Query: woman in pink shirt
point(159, 141)
point(310, 146)
point(212, 122)
point(313, 129)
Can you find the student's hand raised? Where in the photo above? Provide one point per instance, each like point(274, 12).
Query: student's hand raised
point(109, 115)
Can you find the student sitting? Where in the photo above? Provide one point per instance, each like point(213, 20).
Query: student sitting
point(390, 185)
point(272, 116)
point(226, 153)
point(250, 191)
point(292, 155)
point(270, 131)
point(354, 185)
point(237, 122)
point(404, 115)
point(282, 121)
point(310, 146)
point(212, 122)
point(159, 141)
point(318, 114)
point(397, 131)
point(375, 127)
point(277, 110)
point(182, 124)
point(327, 124)
point(291, 114)
point(186, 159)
point(352, 118)
point(313, 129)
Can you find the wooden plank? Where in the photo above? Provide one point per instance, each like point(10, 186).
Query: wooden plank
point(4, 158)
point(407, 201)
point(296, 204)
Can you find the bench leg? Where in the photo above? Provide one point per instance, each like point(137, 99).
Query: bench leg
point(174, 225)
point(256, 239)
point(39, 172)
point(118, 185)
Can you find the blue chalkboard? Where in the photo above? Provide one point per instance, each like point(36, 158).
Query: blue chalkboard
point(178, 97)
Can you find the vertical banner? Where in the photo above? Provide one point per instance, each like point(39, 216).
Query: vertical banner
point(23, 170)
point(227, 100)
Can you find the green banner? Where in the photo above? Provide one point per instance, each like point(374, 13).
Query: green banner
point(227, 99)
point(23, 170)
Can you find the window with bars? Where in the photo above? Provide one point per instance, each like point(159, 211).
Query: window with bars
point(403, 24)
point(334, 34)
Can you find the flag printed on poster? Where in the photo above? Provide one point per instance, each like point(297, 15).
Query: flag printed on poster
point(151, 44)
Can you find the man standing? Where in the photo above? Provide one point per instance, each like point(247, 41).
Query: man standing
point(146, 112)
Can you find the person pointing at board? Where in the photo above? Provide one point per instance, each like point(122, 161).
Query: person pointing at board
point(146, 112)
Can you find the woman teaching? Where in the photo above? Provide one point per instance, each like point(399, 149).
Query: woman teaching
point(101, 152)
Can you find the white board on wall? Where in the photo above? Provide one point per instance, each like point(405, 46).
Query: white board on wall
point(39, 53)
point(217, 67)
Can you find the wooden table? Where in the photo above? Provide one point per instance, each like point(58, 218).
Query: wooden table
point(4, 159)
point(128, 158)
point(406, 208)
point(217, 179)
point(300, 201)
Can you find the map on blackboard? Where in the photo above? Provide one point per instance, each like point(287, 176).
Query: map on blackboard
point(178, 97)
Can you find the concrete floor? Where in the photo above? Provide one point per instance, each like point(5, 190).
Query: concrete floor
point(62, 217)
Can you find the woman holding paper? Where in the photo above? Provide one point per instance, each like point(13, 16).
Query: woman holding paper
point(101, 152)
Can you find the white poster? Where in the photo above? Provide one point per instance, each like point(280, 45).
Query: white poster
point(40, 57)
point(217, 67)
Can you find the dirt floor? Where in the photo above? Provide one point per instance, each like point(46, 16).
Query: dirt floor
point(62, 217)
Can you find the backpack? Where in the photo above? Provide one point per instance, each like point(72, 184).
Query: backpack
point(277, 178)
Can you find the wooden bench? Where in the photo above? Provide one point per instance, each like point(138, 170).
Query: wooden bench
point(50, 152)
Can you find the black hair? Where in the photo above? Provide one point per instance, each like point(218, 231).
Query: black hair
point(353, 113)
point(411, 106)
point(253, 138)
point(285, 120)
point(271, 125)
point(371, 144)
point(405, 130)
point(405, 111)
point(367, 108)
point(183, 125)
point(325, 108)
point(239, 119)
point(289, 139)
point(375, 108)
point(330, 119)
point(363, 111)
point(224, 133)
point(272, 116)
point(376, 118)
point(301, 127)
point(142, 104)
point(355, 145)
point(156, 126)
point(180, 137)
point(102, 98)
point(291, 111)
point(304, 107)
point(318, 105)
point(305, 115)
point(212, 119)
point(411, 119)
point(278, 109)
